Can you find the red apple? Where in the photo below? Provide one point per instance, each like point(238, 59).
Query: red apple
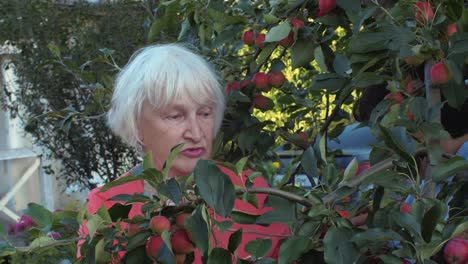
point(248, 37)
point(259, 40)
point(297, 23)
point(153, 245)
point(261, 102)
point(181, 242)
point(344, 214)
point(180, 258)
point(423, 12)
point(180, 219)
point(456, 251)
point(132, 229)
point(396, 98)
point(261, 81)
point(325, 6)
point(276, 79)
point(439, 73)
point(405, 208)
point(410, 115)
point(451, 29)
point(159, 224)
point(287, 41)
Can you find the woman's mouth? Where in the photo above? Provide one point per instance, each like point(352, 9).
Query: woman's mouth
point(193, 152)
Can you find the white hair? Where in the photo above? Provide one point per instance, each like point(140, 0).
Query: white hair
point(160, 75)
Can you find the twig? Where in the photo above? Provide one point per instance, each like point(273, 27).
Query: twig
point(267, 190)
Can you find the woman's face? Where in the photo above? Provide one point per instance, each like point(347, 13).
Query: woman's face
point(184, 121)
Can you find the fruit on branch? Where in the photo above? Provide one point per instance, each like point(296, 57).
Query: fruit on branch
point(297, 23)
point(456, 251)
point(180, 219)
point(287, 41)
point(259, 40)
point(276, 79)
point(261, 102)
point(325, 6)
point(405, 208)
point(153, 245)
point(451, 29)
point(248, 37)
point(181, 242)
point(396, 98)
point(260, 80)
point(159, 224)
point(408, 84)
point(423, 12)
point(132, 229)
point(439, 73)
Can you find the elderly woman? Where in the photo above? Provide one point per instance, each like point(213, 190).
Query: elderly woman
point(167, 95)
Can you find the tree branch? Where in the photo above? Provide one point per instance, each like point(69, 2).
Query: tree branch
point(48, 244)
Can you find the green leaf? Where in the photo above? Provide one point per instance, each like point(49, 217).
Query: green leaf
point(100, 254)
point(258, 248)
point(198, 230)
point(309, 162)
point(224, 225)
point(278, 32)
point(390, 259)
point(41, 241)
point(366, 79)
point(219, 255)
point(93, 224)
point(300, 53)
point(328, 81)
point(292, 249)
point(234, 240)
point(460, 229)
point(320, 59)
point(171, 190)
point(54, 49)
point(41, 216)
point(6, 249)
point(264, 55)
point(172, 155)
point(164, 255)
point(341, 65)
point(136, 256)
point(388, 179)
point(215, 187)
point(241, 164)
point(138, 239)
point(431, 219)
point(374, 236)
point(408, 222)
point(351, 169)
point(402, 150)
point(283, 211)
point(455, 71)
point(338, 246)
point(104, 214)
point(449, 167)
point(119, 211)
point(3, 230)
point(243, 218)
point(119, 181)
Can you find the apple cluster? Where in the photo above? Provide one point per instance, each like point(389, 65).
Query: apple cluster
point(180, 241)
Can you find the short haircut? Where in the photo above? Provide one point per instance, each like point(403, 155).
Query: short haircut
point(161, 74)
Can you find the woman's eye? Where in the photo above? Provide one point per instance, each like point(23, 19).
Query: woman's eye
point(174, 117)
point(205, 114)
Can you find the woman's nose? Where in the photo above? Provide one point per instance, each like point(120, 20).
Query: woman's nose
point(194, 130)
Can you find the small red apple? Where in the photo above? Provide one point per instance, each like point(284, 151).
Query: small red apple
point(287, 41)
point(396, 98)
point(248, 37)
point(303, 136)
point(132, 229)
point(423, 12)
point(362, 167)
point(180, 258)
point(325, 6)
point(405, 208)
point(410, 115)
point(297, 23)
point(261, 81)
point(276, 79)
point(181, 242)
point(259, 40)
point(439, 73)
point(344, 214)
point(261, 102)
point(451, 29)
point(153, 245)
point(159, 224)
point(456, 251)
point(180, 219)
